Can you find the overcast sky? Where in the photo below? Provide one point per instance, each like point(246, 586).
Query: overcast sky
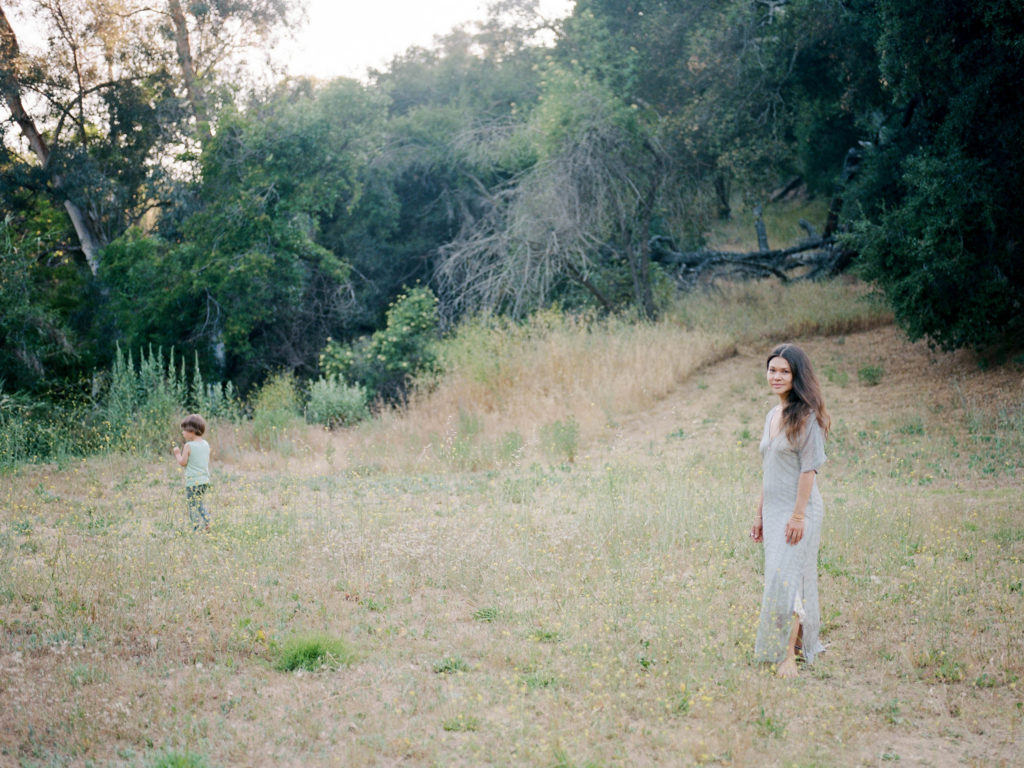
point(345, 37)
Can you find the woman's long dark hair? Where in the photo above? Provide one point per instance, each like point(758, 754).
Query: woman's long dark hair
point(805, 397)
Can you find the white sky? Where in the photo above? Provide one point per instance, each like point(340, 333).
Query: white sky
point(345, 37)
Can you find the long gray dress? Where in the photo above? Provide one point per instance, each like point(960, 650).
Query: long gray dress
point(790, 571)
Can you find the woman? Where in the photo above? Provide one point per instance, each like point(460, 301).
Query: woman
point(790, 512)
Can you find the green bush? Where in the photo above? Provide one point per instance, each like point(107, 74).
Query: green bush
point(33, 431)
point(386, 362)
point(275, 407)
point(334, 403)
point(870, 375)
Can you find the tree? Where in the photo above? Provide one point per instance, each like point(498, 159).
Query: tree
point(33, 336)
point(425, 178)
point(248, 286)
point(106, 121)
point(12, 88)
point(587, 200)
point(941, 209)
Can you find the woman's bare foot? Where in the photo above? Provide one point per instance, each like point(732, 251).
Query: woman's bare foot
point(787, 668)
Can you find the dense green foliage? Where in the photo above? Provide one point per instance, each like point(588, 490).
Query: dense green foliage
point(942, 207)
point(518, 164)
point(387, 361)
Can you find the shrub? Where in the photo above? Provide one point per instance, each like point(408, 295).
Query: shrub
point(142, 402)
point(32, 430)
point(870, 375)
point(334, 403)
point(275, 406)
point(387, 361)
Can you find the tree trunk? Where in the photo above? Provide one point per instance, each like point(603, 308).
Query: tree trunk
point(196, 97)
point(761, 230)
point(835, 206)
point(722, 192)
point(645, 296)
point(10, 89)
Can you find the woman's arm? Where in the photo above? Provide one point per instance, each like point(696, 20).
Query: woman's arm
point(757, 529)
point(795, 526)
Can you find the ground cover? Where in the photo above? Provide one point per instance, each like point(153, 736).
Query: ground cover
point(592, 607)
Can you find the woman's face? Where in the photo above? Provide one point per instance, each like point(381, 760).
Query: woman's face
point(780, 376)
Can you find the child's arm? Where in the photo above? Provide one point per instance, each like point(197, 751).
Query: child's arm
point(181, 454)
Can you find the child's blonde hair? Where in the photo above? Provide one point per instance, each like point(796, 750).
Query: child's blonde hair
point(194, 423)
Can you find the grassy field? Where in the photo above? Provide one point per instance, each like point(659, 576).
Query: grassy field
point(531, 575)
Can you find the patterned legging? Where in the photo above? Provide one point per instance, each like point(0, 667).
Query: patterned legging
point(197, 513)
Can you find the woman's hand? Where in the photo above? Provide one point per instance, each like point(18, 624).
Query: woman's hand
point(757, 530)
point(795, 529)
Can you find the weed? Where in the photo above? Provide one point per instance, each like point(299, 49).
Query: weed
point(450, 665)
point(371, 604)
point(545, 636)
point(174, 759)
point(986, 680)
point(486, 614)
point(313, 652)
point(836, 376)
point(679, 704)
point(537, 680)
point(334, 403)
point(644, 658)
point(891, 712)
point(561, 439)
point(912, 427)
point(461, 723)
point(768, 726)
point(941, 666)
point(870, 375)
point(85, 674)
point(511, 448)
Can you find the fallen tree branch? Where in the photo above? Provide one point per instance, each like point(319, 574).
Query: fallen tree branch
point(823, 255)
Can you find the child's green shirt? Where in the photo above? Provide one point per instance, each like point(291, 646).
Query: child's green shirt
point(197, 470)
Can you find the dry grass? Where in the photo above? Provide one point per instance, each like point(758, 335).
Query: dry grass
point(537, 613)
point(509, 387)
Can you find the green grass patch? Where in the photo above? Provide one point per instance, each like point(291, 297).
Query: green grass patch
point(175, 759)
point(461, 723)
point(450, 665)
point(313, 652)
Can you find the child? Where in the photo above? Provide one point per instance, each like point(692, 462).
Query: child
point(194, 456)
